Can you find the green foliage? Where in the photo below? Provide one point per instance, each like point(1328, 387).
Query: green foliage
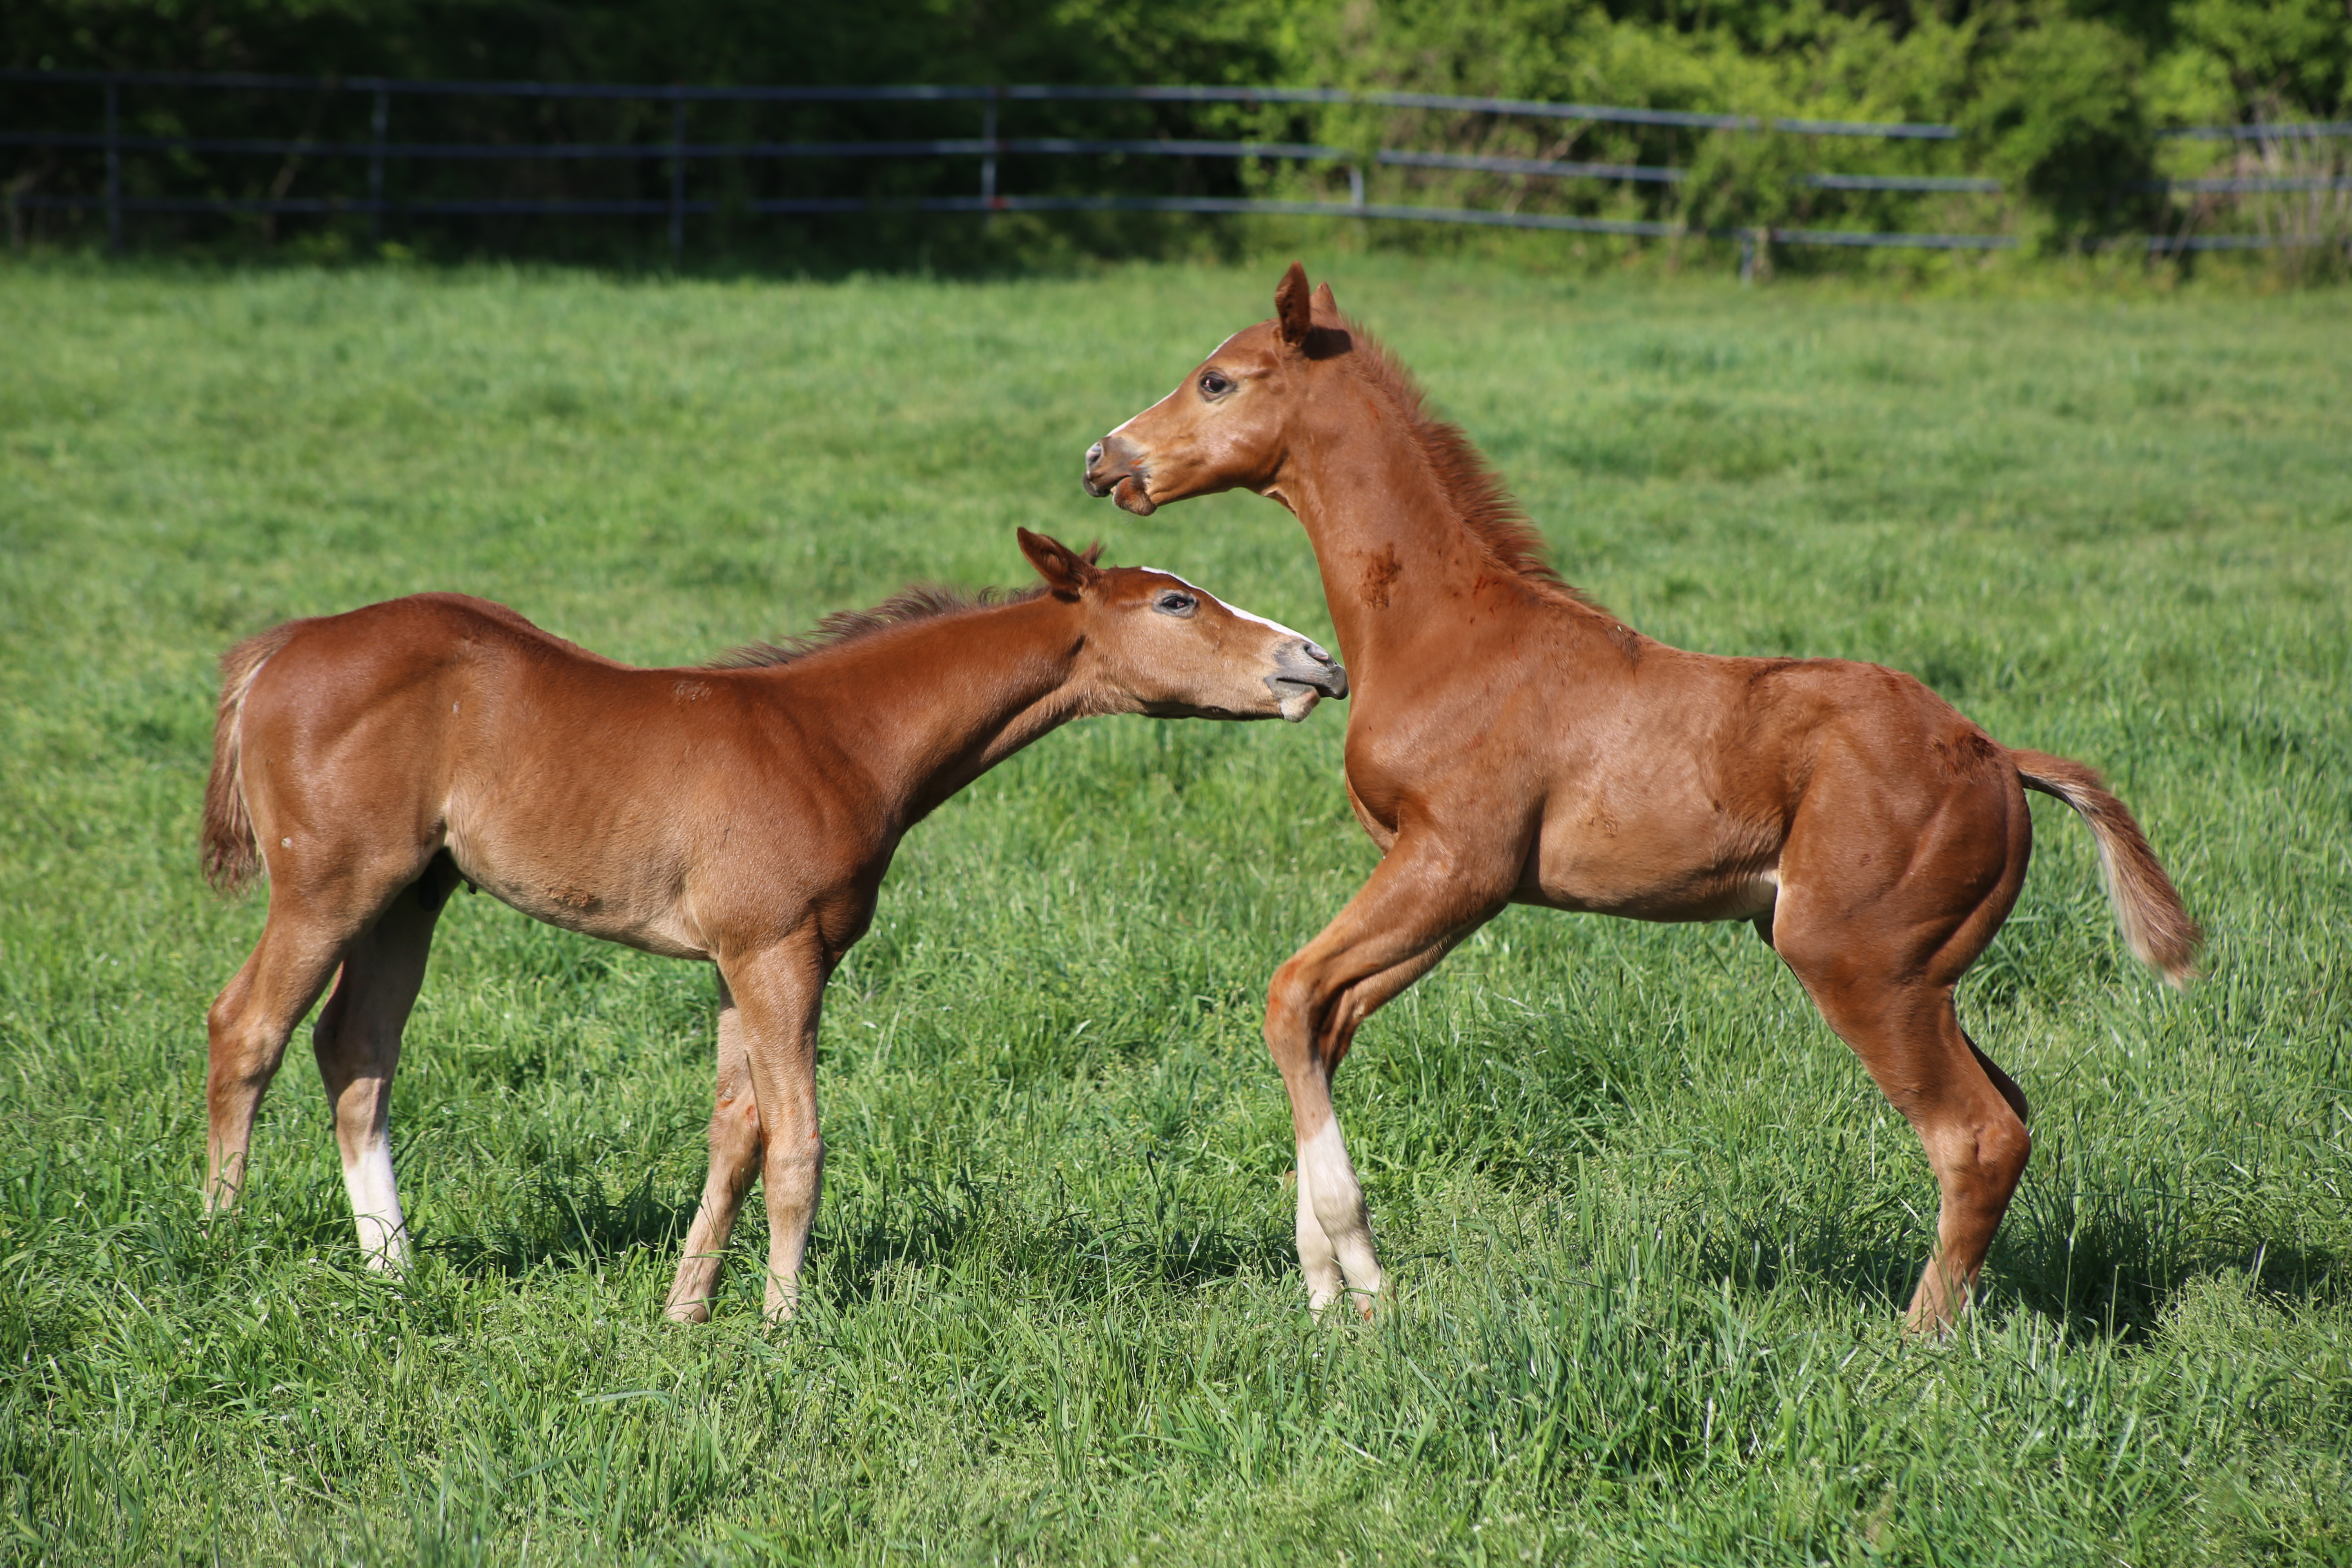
point(2058, 113)
point(1741, 180)
point(2060, 99)
point(1651, 1223)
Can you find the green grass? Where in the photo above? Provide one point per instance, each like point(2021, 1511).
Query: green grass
point(1651, 1224)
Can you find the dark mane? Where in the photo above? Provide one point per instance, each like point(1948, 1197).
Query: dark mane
point(1485, 507)
point(923, 601)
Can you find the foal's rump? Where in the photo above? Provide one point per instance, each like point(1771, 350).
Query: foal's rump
point(1904, 721)
point(352, 748)
point(335, 735)
point(339, 739)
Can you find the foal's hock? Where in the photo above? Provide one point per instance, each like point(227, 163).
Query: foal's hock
point(1510, 742)
point(743, 813)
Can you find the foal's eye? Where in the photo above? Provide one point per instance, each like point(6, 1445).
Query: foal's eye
point(1214, 385)
point(1172, 602)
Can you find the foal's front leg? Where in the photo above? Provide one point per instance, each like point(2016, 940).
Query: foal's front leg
point(735, 1147)
point(778, 992)
point(1421, 900)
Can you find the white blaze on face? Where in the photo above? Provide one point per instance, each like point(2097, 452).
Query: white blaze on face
point(1300, 700)
point(1236, 609)
point(1177, 388)
point(375, 1208)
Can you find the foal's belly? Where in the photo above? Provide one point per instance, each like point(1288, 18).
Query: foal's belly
point(582, 896)
point(1728, 896)
point(1649, 867)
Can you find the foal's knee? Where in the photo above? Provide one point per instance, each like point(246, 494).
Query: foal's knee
point(1289, 1012)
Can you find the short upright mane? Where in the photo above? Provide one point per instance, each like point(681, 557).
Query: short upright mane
point(1472, 488)
point(921, 603)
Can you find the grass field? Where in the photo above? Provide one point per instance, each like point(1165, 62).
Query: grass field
point(1650, 1222)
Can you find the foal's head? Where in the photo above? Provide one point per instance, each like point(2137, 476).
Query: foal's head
point(1229, 423)
point(1153, 643)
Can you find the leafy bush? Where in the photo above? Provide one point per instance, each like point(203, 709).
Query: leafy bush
point(2058, 98)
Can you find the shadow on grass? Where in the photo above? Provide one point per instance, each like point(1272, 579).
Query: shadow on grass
point(1847, 1252)
point(2102, 1260)
point(2108, 1260)
point(569, 1218)
point(963, 1224)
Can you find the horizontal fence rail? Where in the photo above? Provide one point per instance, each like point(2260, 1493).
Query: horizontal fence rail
point(380, 152)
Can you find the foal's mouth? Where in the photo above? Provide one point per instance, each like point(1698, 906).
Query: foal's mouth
point(1307, 681)
point(1130, 495)
point(1113, 470)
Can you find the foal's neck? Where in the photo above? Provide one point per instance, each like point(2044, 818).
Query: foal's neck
point(928, 707)
point(1401, 567)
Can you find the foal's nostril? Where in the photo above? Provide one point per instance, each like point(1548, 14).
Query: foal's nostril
point(1318, 654)
point(1094, 454)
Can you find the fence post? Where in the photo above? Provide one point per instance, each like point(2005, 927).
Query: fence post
point(377, 122)
point(988, 159)
point(677, 177)
point(1356, 186)
point(113, 167)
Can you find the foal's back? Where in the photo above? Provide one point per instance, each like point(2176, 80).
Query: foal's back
point(586, 793)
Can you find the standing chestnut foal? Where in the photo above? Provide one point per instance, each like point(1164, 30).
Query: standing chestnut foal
point(1510, 742)
point(743, 813)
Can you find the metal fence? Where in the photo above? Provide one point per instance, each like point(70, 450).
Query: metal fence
point(674, 201)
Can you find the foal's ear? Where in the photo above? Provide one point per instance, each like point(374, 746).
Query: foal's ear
point(1292, 307)
point(1066, 571)
point(1324, 308)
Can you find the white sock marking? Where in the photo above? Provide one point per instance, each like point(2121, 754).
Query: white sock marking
point(375, 1208)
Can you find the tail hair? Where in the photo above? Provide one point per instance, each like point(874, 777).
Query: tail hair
point(232, 858)
point(2155, 924)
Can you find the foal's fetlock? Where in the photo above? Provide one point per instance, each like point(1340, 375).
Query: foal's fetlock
point(1323, 1286)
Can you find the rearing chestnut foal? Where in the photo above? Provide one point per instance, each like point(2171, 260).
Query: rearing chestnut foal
point(1510, 742)
point(743, 813)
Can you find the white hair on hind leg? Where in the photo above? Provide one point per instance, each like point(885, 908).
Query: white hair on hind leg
point(1318, 1259)
point(1327, 1179)
point(375, 1207)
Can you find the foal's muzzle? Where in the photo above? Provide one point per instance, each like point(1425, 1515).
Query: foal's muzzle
point(1115, 469)
point(1304, 674)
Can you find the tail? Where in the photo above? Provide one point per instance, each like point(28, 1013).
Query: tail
point(231, 856)
point(2157, 927)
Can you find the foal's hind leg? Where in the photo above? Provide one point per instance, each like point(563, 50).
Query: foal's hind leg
point(357, 1043)
point(735, 1148)
point(1880, 958)
point(249, 1023)
point(1911, 1040)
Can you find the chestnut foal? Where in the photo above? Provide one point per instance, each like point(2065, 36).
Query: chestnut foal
point(1509, 742)
point(742, 812)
